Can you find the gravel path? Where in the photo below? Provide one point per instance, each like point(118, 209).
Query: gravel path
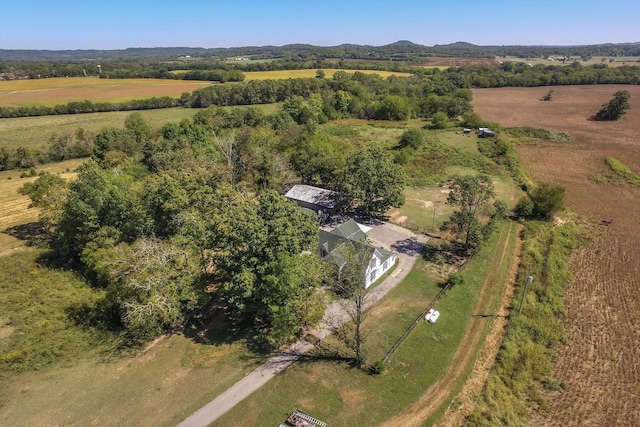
point(406, 244)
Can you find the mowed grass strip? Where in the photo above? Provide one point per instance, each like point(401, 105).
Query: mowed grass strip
point(334, 392)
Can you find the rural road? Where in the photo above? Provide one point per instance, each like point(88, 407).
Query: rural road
point(405, 243)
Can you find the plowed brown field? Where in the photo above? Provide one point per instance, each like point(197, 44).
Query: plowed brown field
point(599, 365)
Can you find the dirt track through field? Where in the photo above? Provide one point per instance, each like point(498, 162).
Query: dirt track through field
point(597, 366)
point(439, 392)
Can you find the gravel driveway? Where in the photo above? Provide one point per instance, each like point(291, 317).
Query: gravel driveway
point(405, 243)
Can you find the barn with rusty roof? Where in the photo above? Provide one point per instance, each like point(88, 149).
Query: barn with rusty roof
point(314, 198)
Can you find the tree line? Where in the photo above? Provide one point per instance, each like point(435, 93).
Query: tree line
point(307, 102)
point(402, 49)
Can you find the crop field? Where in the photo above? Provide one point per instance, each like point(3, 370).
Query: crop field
point(597, 367)
point(445, 62)
point(296, 74)
point(49, 92)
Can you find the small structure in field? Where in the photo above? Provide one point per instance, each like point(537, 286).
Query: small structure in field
point(486, 133)
point(317, 199)
point(300, 419)
point(432, 315)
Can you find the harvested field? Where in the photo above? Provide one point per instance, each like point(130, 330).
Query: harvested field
point(14, 207)
point(17, 93)
point(446, 61)
point(597, 367)
point(310, 73)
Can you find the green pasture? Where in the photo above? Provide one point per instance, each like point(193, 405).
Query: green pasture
point(34, 132)
point(338, 394)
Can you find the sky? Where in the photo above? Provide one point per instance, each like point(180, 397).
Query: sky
point(117, 24)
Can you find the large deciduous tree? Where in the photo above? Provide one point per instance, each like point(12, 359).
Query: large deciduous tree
point(348, 323)
point(151, 283)
point(258, 260)
point(371, 184)
point(471, 195)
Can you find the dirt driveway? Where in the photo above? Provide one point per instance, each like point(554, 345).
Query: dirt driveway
point(405, 243)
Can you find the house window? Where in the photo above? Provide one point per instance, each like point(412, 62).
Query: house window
point(385, 265)
point(373, 276)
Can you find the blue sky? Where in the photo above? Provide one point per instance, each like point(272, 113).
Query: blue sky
point(116, 24)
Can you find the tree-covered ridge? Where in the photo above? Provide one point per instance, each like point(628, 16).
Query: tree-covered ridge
point(401, 50)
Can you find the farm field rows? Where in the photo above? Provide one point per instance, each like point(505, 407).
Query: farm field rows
point(597, 366)
point(329, 72)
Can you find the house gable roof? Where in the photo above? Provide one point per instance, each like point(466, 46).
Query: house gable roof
point(348, 231)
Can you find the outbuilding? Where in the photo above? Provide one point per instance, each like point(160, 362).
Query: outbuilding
point(319, 200)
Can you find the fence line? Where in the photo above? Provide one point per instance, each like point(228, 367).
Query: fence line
point(415, 322)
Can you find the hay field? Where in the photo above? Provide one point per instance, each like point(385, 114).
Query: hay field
point(60, 90)
point(14, 207)
point(597, 367)
point(296, 74)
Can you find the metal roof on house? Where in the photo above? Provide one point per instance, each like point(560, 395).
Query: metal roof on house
point(351, 230)
point(311, 194)
point(348, 231)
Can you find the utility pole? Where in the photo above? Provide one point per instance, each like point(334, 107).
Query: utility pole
point(433, 222)
point(524, 292)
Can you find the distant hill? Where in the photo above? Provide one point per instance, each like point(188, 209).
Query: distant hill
point(403, 50)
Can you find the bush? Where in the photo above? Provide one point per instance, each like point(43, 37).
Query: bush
point(412, 138)
point(456, 279)
point(378, 367)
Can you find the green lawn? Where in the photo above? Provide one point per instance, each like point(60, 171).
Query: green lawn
point(34, 132)
point(340, 395)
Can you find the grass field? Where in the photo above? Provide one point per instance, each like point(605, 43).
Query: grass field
point(59, 90)
point(339, 395)
point(34, 132)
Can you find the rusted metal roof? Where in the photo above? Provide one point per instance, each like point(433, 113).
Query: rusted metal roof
point(310, 194)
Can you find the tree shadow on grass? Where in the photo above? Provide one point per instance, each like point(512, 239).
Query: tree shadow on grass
point(410, 246)
point(450, 253)
point(214, 326)
point(33, 233)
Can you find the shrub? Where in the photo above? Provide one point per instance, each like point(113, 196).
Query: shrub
point(378, 367)
point(456, 279)
point(411, 138)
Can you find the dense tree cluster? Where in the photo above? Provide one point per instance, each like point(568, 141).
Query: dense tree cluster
point(401, 50)
point(520, 74)
point(167, 219)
